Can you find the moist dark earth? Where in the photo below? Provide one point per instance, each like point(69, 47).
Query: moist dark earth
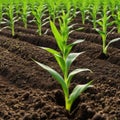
point(27, 92)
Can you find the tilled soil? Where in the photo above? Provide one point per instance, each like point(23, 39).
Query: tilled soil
point(27, 92)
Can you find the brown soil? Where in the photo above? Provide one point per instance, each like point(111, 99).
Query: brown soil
point(27, 92)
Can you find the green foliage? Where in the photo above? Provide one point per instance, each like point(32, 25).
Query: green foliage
point(112, 6)
point(38, 13)
point(89, 9)
point(94, 9)
point(64, 59)
point(24, 13)
point(117, 17)
point(104, 23)
point(83, 6)
point(52, 9)
point(1, 12)
point(11, 19)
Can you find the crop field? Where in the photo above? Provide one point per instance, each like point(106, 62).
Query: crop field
point(60, 60)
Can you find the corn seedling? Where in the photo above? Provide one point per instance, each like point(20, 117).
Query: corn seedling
point(83, 7)
point(52, 9)
point(10, 19)
point(117, 17)
point(104, 24)
point(64, 59)
point(74, 7)
point(67, 6)
point(94, 9)
point(112, 7)
point(38, 14)
point(24, 12)
point(1, 12)
point(17, 5)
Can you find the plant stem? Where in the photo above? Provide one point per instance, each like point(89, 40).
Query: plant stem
point(104, 44)
point(94, 24)
point(39, 30)
point(83, 18)
point(13, 31)
point(67, 105)
point(118, 28)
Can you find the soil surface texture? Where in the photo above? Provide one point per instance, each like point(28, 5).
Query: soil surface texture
point(27, 92)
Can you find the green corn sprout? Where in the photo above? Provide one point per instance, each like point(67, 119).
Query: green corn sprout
point(10, 20)
point(64, 59)
point(112, 6)
point(1, 13)
point(104, 24)
point(17, 7)
point(11, 17)
point(38, 14)
point(74, 7)
point(67, 6)
point(117, 17)
point(83, 6)
point(117, 21)
point(94, 11)
point(52, 9)
point(24, 12)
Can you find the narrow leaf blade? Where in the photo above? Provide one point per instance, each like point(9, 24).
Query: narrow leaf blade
point(57, 56)
point(69, 47)
point(50, 50)
point(57, 35)
point(78, 90)
point(112, 41)
point(76, 71)
point(71, 57)
point(55, 75)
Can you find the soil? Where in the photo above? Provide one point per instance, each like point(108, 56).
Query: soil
point(27, 92)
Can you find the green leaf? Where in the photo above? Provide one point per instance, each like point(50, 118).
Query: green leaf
point(57, 56)
point(80, 28)
point(50, 50)
point(100, 31)
point(100, 23)
point(34, 13)
point(112, 41)
point(71, 26)
point(111, 31)
point(76, 42)
point(69, 47)
point(57, 35)
point(110, 23)
point(76, 71)
point(71, 57)
point(55, 75)
point(77, 91)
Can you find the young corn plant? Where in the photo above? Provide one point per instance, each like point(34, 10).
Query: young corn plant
point(83, 7)
point(24, 12)
point(38, 14)
point(1, 13)
point(70, 7)
point(112, 6)
point(104, 23)
point(64, 59)
point(94, 9)
point(67, 6)
point(117, 17)
point(74, 7)
point(52, 9)
point(10, 19)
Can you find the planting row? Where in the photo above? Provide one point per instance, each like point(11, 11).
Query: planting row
point(97, 12)
point(101, 101)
